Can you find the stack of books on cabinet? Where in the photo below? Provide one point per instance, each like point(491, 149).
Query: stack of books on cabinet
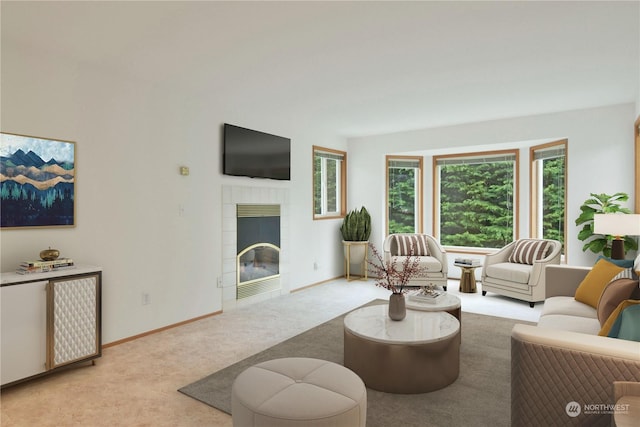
point(40, 266)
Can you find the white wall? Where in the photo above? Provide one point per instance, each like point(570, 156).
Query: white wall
point(599, 151)
point(131, 138)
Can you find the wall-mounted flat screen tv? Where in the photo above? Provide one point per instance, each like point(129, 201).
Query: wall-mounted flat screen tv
point(255, 154)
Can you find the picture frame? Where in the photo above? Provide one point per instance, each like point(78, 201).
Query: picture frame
point(37, 182)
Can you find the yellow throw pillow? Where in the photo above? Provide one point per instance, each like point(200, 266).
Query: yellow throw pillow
point(595, 281)
point(606, 328)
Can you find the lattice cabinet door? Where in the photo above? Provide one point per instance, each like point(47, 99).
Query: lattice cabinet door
point(73, 320)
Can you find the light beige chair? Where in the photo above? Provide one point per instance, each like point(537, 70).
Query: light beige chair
point(433, 257)
point(517, 270)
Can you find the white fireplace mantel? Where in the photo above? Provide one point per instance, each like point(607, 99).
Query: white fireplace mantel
point(231, 196)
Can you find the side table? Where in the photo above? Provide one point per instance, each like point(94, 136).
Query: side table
point(626, 394)
point(627, 411)
point(448, 303)
point(468, 278)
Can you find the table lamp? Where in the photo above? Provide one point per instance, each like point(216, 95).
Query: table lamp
point(618, 226)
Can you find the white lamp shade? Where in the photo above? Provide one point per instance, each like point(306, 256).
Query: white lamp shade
point(617, 224)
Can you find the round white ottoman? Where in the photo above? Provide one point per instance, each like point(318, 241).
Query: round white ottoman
point(298, 391)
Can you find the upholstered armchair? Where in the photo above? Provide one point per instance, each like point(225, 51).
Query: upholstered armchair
point(517, 270)
point(432, 256)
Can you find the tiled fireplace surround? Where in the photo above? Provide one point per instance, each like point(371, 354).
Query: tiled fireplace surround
point(232, 196)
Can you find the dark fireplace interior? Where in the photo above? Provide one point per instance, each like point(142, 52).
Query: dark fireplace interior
point(263, 229)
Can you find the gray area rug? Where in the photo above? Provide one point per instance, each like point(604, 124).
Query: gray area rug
point(479, 397)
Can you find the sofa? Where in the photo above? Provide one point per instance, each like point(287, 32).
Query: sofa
point(517, 269)
point(562, 371)
point(432, 257)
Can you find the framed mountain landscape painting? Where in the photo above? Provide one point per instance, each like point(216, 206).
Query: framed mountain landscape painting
point(37, 182)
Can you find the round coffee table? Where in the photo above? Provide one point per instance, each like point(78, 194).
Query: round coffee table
point(448, 302)
point(418, 354)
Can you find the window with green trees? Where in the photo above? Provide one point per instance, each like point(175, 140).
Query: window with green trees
point(475, 198)
point(404, 194)
point(548, 183)
point(329, 186)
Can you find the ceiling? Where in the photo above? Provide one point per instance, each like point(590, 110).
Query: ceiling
point(355, 68)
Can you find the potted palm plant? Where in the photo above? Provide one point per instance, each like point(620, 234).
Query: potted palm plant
point(355, 230)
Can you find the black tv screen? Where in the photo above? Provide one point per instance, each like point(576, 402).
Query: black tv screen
point(256, 154)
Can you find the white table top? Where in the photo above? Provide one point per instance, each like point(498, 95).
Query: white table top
point(446, 303)
point(12, 277)
point(418, 327)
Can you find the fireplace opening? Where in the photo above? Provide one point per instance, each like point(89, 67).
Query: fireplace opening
point(258, 245)
point(258, 262)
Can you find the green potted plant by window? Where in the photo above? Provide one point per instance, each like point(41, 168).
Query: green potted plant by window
point(601, 204)
point(355, 230)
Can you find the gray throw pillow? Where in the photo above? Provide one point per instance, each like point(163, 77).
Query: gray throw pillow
point(613, 294)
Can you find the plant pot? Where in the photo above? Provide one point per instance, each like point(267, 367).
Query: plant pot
point(397, 307)
point(355, 252)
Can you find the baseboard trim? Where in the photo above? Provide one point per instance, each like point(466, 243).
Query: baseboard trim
point(316, 284)
point(164, 328)
point(195, 319)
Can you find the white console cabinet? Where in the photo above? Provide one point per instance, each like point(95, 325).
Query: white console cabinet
point(48, 321)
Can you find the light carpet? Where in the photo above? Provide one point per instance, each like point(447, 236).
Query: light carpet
point(479, 397)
